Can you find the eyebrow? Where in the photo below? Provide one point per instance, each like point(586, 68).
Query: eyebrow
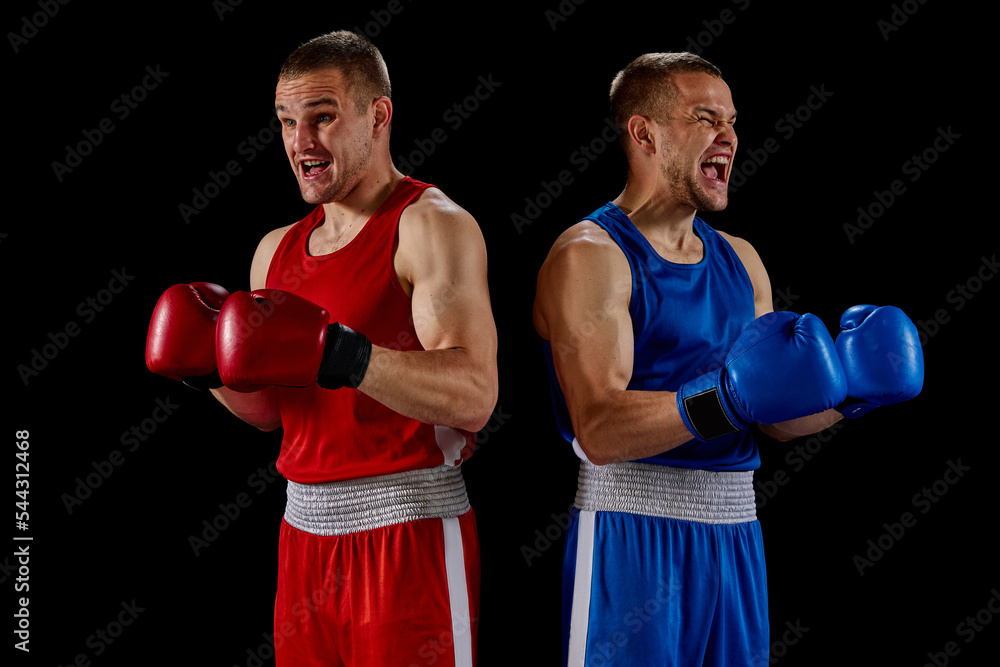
point(318, 102)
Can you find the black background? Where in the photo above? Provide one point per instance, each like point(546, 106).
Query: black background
point(890, 90)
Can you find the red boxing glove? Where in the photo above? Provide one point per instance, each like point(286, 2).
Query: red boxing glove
point(180, 343)
point(270, 337)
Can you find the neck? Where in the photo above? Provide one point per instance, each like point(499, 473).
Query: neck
point(361, 202)
point(657, 214)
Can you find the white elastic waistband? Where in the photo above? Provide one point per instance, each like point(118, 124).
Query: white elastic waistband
point(351, 506)
point(674, 493)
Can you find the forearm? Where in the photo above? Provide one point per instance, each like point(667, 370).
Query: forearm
point(258, 408)
point(795, 428)
point(449, 387)
point(626, 425)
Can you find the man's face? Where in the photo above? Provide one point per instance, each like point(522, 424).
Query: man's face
point(328, 144)
point(698, 142)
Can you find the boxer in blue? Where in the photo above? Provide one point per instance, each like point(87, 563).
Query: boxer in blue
point(663, 351)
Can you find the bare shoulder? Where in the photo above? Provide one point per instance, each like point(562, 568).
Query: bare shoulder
point(584, 269)
point(436, 233)
point(438, 240)
point(739, 245)
point(435, 212)
point(584, 247)
point(745, 251)
point(262, 256)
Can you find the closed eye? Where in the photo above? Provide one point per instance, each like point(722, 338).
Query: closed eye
point(716, 122)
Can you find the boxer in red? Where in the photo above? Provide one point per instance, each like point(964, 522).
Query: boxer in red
point(368, 337)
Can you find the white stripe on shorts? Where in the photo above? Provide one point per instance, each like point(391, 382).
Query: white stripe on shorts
point(580, 613)
point(458, 592)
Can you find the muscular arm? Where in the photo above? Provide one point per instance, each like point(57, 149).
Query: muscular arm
point(581, 308)
point(794, 428)
point(441, 263)
point(259, 408)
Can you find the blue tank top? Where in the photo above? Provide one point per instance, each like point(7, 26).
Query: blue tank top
point(685, 318)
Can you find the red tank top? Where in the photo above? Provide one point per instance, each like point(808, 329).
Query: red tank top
point(343, 434)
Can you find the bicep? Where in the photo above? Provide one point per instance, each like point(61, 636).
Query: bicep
point(582, 307)
point(450, 298)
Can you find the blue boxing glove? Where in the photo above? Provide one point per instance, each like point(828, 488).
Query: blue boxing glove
point(782, 366)
point(880, 351)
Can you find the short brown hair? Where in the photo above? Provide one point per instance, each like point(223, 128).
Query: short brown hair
point(357, 58)
point(646, 85)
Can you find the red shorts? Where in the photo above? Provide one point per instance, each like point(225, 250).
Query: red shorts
point(403, 595)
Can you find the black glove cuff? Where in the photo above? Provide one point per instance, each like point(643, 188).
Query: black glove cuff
point(707, 416)
point(345, 358)
point(852, 408)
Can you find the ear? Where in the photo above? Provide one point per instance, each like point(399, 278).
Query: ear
point(381, 116)
point(640, 134)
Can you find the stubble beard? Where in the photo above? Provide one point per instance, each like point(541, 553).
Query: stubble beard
point(355, 164)
point(687, 190)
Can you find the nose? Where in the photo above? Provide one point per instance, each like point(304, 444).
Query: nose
point(726, 133)
point(303, 138)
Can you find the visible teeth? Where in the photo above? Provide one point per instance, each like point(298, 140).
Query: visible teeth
point(313, 163)
point(718, 159)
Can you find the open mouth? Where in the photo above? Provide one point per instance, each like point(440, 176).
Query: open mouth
point(313, 168)
point(716, 168)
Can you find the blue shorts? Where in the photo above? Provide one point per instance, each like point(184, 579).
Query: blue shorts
point(643, 590)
